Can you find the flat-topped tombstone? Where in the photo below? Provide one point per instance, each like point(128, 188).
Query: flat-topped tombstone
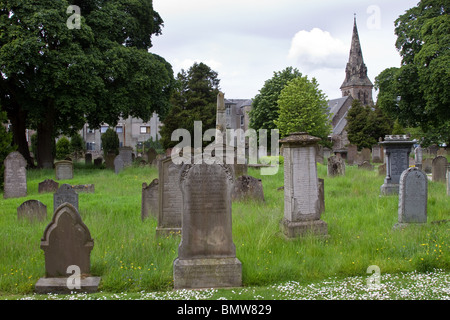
point(427, 165)
point(365, 152)
point(352, 151)
point(48, 185)
point(109, 160)
point(118, 164)
point(150, 199)
point(67, 246)
point(377, 154)
point(439, 168)
point(33, 210)
point(127, 155)
point(88, 159)
point(248, 188)
point(65, 193)
point(15, 176)
point(412, 207)
point(170, 198)
point(64, 170)
point(302, 207)
point(98, 161)
point(418, 157)
point(207, 254)
point(336, 166)
point(84, 188)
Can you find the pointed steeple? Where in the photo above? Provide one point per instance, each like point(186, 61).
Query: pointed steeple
point(357, 83)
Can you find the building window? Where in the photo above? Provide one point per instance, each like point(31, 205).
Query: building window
point(228, 110)
point(145, 129)
point(119, 129)
point(90, 146)
point(103, 129)
point(242, 121)
point(89, 130)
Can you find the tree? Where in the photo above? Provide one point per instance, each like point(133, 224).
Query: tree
point(110, 142)
point(194, 99)
point(55, 79)
point(303, 107)
point(62, 148)
point(417, 92)
point(77, 146)
point(6, 146)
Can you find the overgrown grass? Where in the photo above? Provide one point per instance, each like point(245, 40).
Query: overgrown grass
point(129, 258)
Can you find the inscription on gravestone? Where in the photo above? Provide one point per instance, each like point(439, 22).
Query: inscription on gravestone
point(32, 210)
point(412, 207)
point(64, 170)
point(15, 176)
point(48, 185)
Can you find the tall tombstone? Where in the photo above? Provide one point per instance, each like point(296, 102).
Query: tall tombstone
point(418, 156)
point(67, 246)
point(427, 165)
point(302, 207)
point(336, 166)
point(127, 155)
point(439, 168)
point(15, 176)
point(65, 193)
point(365, 152)
point(170, 198)
point(118, 164)
point(207, 254)
point(413, 191)
point(352, 151)
point(150, 199)
point(88, 159)
point(33, 210)
point(221, 118)
point(396, 149)
point(48, 185)
point(377, 154)
point(109, 160)
point(151, 155)
point(64, 170)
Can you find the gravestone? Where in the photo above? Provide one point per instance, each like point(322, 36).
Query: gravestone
point(352, 151)
point(441, 152)
point(84, 188)
point(65, 193)
point(127, 155)
point(150, 199)
point(15, 176)
point(358, 159)
point(448, 180)
point(366, 166)
point(33, 210)
point(170, 198)
point(66, 243)
point(98, 162)
point(64, 170)
point(48, 185)
point(382, 169)
point(151, 155)
point(248, 188)
point(336, 166)
point(397, 149)
point(377, 154)
point(118, 164)
point(109, 160)
point(365, 152)
point(321, 195)
point(302, 208)
point(412, 206)
point(432, 150)
point(427, 165)
point(88, 159)
point(439, 168)
point(418, 156)
point(207, 254)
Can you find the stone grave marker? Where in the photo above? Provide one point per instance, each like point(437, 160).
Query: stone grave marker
point(365, 152)
point(302, 208)
point(412, 207)
point(352, 151)
point(64, 170)
point(150, 199)
point(432, 150)
point(397, 149)
point(33, 210)
point(366, 166)
point(48, 185)
point(67, 246)
point(382, 169)
point(15, 176)
point(98, 161)
point(127, 155)
point(321, 195)
point(65, 193)
point(151, 155)
point(448, 180)
point(247, 187)
point(439, 168)
point(418, 157)
point(207, 254)
point(377, 154)
point(336, 166)
point(84, 188)
point(441, 152)
point(88, 159)
point(170, 198)
point(118, 164)
point(427, 165)
point(109, 160)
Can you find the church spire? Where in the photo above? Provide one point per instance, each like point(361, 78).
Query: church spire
point(357, 83)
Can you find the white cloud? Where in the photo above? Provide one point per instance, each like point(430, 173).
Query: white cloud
point(317, 49)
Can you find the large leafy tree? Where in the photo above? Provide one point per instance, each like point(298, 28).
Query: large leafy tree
point(303, 107)
point(417, 92)
point(55, 78)
point(194, 99)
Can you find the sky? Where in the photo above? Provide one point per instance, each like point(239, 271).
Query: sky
point(246, 41)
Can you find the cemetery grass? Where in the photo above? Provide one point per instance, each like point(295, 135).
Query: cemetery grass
point(131, 260)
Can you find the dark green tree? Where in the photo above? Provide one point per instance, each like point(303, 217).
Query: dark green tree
point(62, 148)
point(194, 99)
point(77, 146)
point(110, 142)
point(56, 78)
point(6, 146)
point(417, 92)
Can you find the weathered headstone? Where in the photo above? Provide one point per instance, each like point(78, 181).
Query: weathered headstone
point(48, 185)
point(127, 155)
point(67, 246)
point(64, 170)
point(32, 210)
point(358, 159)
point(448, 180)
point(441, 152)
point(151, 155)
point(365, 152)
point(150, 199)
point(248, 188)
point(439, 168)
point(366, 166)
point(382, 169)
point(84, 188)
point(118, 164)
point(397, 149)
point(15, 176)
point(207, 254)
point(336, 166)
point(427, 165)
point(352, 151)
point(88, 159)
point(412, 206)
point(98, 161)
point(170, 198)
point(65, 193)
point(321, 195)
point(432, 150)
point(377, 154)
point(109, 160)
point(418, 156)
point(302, 208)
